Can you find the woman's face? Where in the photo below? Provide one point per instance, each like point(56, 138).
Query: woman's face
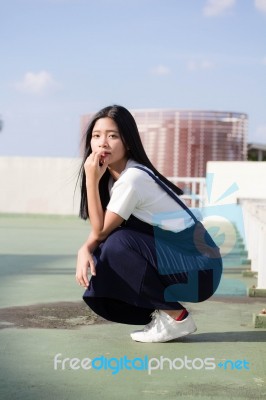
point(107, 142)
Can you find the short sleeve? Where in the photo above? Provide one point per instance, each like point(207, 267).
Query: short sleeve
point(124, 198)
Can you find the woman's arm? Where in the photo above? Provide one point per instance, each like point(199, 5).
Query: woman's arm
point(95, 209)
point(102, 223)
point(85, 260)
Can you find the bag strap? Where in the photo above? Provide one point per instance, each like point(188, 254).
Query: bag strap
point(169, 191)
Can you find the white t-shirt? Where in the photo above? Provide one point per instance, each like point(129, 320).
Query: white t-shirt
point(135, 192)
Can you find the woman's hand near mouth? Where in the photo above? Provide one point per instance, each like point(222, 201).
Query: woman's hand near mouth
point(95, 166)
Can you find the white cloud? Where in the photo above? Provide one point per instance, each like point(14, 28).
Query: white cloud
point(261, 5)
point(36, 83)
point(199, 65)
point(217, 7)
point(161, 70)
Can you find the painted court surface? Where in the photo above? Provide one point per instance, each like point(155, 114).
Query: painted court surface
point(43, 319)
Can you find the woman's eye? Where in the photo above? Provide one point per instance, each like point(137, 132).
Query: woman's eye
point(95, 135)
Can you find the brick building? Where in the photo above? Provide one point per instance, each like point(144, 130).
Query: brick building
point(180, 142)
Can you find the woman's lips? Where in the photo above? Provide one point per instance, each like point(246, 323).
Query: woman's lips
point(103, 156)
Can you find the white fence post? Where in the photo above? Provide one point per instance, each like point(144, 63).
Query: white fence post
point(254, 211)
point(197, 189)
point(262, 250)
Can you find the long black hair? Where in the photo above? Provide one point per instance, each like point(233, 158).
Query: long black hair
point(130, 137)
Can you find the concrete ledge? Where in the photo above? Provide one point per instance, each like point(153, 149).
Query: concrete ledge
point(246, 261)
point(248, 274)
point(254, 292)
point(259, 320)
point(240, 246)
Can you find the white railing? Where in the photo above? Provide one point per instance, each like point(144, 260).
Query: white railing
point(194, 189)
point(254, 212)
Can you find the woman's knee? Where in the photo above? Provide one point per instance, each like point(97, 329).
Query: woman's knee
point(116, 244)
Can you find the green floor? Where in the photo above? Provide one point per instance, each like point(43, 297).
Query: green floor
point(37, 265)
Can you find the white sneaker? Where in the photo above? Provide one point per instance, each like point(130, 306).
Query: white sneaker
point(164, 328)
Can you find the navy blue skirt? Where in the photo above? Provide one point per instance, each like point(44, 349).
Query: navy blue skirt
point(140, 268)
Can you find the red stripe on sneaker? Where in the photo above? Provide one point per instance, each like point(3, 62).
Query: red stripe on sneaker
point(182, 316)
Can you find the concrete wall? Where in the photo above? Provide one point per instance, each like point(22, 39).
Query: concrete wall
point(236, 179)
point(46, 185)
point(39, 185)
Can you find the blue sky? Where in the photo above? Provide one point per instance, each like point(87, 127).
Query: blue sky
point(63, 58)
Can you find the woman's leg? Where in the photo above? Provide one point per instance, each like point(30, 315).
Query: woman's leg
point(119, 311)
point(127, 287)
point(175, 314)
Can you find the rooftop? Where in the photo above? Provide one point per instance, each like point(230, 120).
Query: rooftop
point(42, 315)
